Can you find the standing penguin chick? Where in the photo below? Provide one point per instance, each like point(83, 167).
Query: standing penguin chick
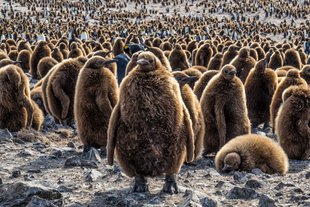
point(230, 54)
point(292, 79)
point(292, 58)
point(16, 110)
point(243, 63)
point(23, 59)
point(178, 58)
point(305, 73)
point(194, 109)
point(244, 153)
point(61, 89)
point(161, 56)
point(215, 62)
point(276, 60)
point(41, 50)
point(201, 84)
point(224, 109)
point(132, 63)
point(95, 97)
point(260, 86)
point(57, 55)
point(150, 128)
point(45, 65)
point(75, 51)
point(203, 55)
point(292, 123)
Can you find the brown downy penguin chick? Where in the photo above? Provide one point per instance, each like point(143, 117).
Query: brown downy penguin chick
point(292, 122)
point(23, 59)
point(41, 50)
point(260, 86)
point(292, 79)
point(118, 47)
point(243, 63)
point(95, 97)
point(253, 54)
point(203, 55)
point(132, 63)
point(305, 73)
point(230, 54)
point(150, 128)
point(13, 55)
point(16, 110)
point(161, 56)
point(292, 58)
point(37, 96)
point(224, 109)
point(57, 55)
point(276, 60)
point(216, 62)
point(6, 62)
point(38, 116)
point(75, 51)
point(178, 58)
point(203, 82)
point(63, 50)
point(303, 56)
point(194, 109)
point(61, 88)
point(244, 153)
point(23, 45)
point(193, 72)
point(45, 65)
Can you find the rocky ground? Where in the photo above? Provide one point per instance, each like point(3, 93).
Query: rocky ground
point(48, 168)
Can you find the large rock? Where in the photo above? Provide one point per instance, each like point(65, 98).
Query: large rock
point(242, 193)
point(5, 135)
point(266, 201)
point(22, 194)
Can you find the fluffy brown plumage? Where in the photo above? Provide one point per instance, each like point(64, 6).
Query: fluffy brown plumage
point(292, 78)
point(292, 58)
point(292, 123)
point(150, 128)
point(276, 60)
point(201, 84)
point(95, 97)
point(178, 58)
point(41, 50)
point(224, 109)
point(260, 86)
point(230, 54)
point(243, 63)
point(305, 73)
point(247, 152)
point(23, 59)
point(203, 55)
point(215, 62)
point(45, 65)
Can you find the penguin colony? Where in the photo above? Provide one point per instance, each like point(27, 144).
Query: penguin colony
point(155, 103)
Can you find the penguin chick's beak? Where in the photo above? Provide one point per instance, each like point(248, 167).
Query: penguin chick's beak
point(227, 169)
point(143, 62)
point(233, 72)
point(107, 62)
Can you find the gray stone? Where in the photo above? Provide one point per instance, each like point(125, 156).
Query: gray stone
point(155, 200)
point(242, 193)
point(16, 173)
point(92, 175)
point(73, 162)
point(308, 175)
point(93, 155)
point(1, 181)
point(5, 135)
point(257, 171)
point(220, 184)
point(240, 177)
point(25, 153)
point(208, 202)
point(39, 202)
point(71, 145)
point(253, 184)
point(21, 194)
point(266, 201)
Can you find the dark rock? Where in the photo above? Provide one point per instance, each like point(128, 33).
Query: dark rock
point(73, 162)
point(88, 164)
point(308, 175)
point(71, 145)
point(28, 177)
point(253, 184)
point(257, 171)
point(220, 184)
point(25, 153)
point(39, 146)
point(64, 189)
point(93, 155)
point(279, 194)
point(242, 193)
point(266, 201)
point(92, 175)
point(34, 171)
point(20, 194)
point(155, 200)
point(39, 202)
point(5, 135)
point(240, 177)
point(16, 173)
point(57, 153)
point(1, 181)
point(208, 202)
point(297, 190)
point(18, 141)
point(281, 185)
point(191, 199)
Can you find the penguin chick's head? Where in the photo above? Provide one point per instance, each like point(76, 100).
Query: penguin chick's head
point(232, 162)
point(148, 61)
point(229, 72)
point(98, 62)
